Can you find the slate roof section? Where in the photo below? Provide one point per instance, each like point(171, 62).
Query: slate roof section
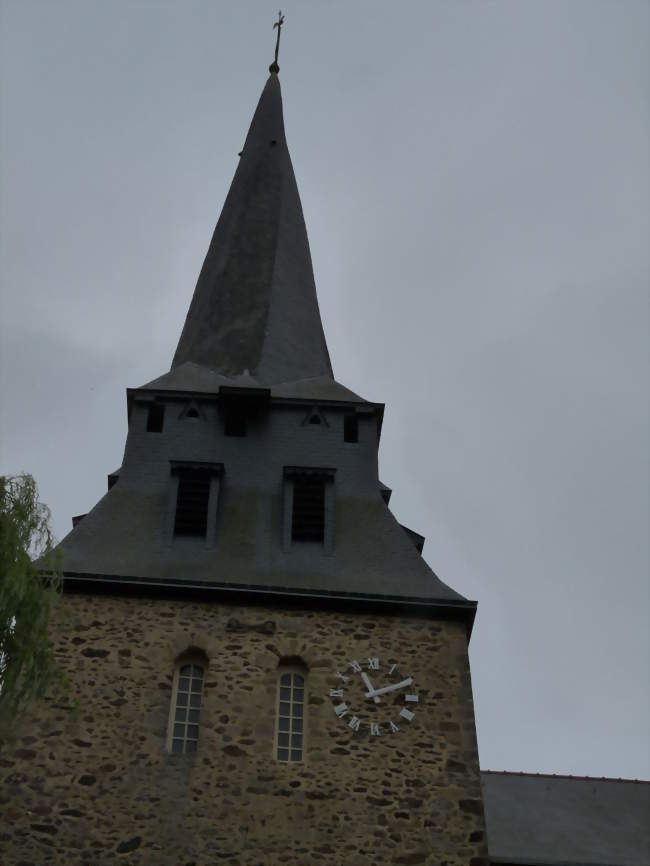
point(253, 346)
point(255, 307)
point(539, 820)
point(193, 378)
point(372, 556)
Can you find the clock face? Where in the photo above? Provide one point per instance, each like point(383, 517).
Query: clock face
point(374, 697)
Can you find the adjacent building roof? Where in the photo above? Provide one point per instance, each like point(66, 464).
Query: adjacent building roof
point(254, 307)
point(539, 820)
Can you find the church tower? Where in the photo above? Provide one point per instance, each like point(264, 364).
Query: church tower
point(267, 671)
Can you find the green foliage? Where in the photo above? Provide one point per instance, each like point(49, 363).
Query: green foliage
point(30, 588)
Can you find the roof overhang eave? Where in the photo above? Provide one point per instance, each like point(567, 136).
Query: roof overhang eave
point(252, 594)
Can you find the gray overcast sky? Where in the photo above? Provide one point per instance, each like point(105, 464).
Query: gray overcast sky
point(475, 180)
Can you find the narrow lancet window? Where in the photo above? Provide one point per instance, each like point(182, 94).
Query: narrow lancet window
point(186, 708)
point(290, 732)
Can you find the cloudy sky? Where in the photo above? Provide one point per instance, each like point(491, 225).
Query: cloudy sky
point(475, 180)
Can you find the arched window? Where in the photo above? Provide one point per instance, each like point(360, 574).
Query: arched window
point(185, 712)
point(290, 715)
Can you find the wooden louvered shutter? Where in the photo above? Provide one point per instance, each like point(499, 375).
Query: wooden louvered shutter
point(308, 521)
point(192, 502)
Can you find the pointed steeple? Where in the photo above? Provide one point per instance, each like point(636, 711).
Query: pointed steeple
point(254, 306)
point(252, 359)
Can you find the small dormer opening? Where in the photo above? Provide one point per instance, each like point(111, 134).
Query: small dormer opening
point(192, 414)
point(350, 428)
point(241, 406)
point(315, 418)
point(235, 420)
point(155, 418)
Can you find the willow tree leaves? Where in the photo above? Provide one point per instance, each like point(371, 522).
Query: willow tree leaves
point(30, 588)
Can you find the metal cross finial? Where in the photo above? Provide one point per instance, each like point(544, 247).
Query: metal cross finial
point(274, 66)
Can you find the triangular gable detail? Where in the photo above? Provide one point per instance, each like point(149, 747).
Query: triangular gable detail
point(191, 412)
point(315, 418)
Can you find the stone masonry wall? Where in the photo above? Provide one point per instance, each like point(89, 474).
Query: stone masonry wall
point(98, 787)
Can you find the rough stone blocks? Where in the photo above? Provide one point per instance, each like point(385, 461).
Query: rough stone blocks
point(96, 785)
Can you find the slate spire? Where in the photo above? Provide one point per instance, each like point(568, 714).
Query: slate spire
point(254, 306)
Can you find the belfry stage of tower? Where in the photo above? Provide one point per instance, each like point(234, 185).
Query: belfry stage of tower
point(248, 468)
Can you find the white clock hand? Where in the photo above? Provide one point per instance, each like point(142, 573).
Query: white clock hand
point(373, 693)
point(368, 685)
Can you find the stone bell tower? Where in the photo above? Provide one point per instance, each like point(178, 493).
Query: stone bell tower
point(266, 669)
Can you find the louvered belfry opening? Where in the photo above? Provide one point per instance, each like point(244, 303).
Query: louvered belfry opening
point(192, 502)
point(308, 520)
